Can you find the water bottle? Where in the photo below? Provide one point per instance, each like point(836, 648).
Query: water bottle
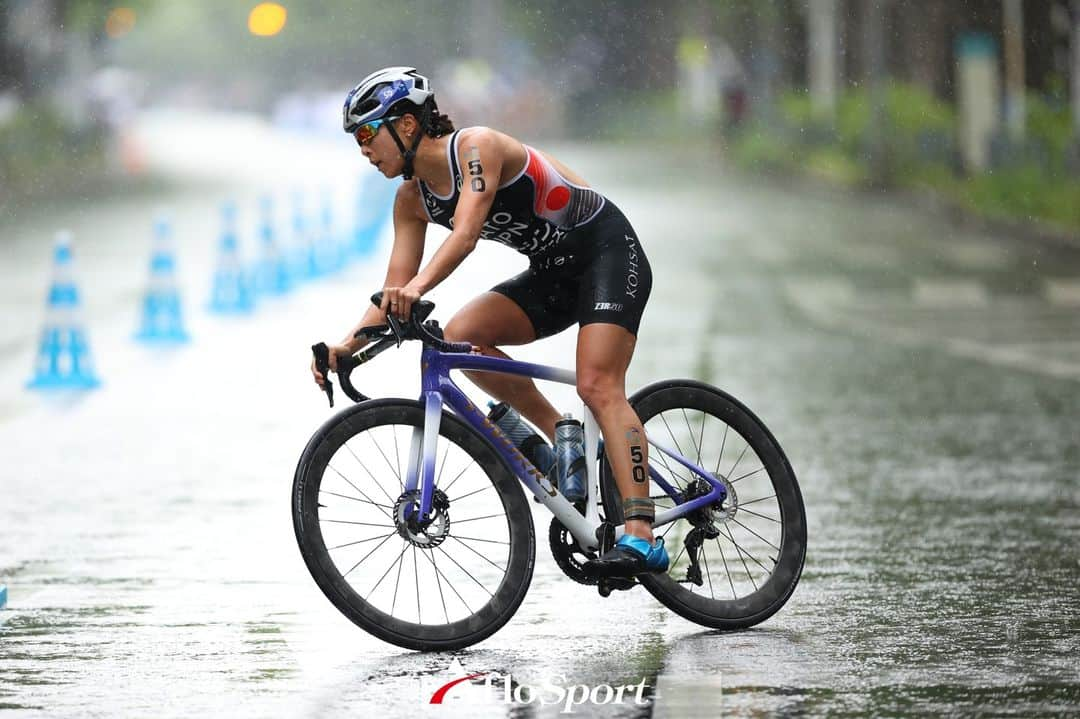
point(570, 459)
point(532, 445)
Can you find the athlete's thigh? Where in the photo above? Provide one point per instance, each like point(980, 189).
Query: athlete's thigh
point(490, 320)
point(604, 351)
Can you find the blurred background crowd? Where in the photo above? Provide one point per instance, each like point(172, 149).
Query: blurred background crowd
point(977, 101)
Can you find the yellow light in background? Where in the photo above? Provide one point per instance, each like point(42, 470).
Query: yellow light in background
point(120, 22)
point(266, 19)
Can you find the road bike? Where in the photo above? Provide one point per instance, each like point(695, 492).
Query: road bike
point(411, 522)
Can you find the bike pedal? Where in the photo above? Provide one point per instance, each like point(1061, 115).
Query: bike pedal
point(608, 584)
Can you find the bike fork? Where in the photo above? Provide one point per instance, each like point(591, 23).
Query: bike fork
point(422, 454)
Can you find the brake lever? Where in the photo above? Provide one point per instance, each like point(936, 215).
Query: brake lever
point(322, 364)
point(395, 328)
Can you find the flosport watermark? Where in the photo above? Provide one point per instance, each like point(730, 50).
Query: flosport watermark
point(554, 690)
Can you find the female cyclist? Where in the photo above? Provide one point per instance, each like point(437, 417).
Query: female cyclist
point(586, 266)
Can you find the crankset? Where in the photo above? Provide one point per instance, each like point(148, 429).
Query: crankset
point(571, 559)
point(568, 553)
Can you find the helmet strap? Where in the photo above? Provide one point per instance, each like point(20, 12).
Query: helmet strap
point(410, 154)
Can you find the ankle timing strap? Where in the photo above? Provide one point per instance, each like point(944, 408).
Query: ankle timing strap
point(410, 154)
point(639, 508)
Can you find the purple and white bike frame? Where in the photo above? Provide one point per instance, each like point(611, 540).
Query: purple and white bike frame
point(438, 390)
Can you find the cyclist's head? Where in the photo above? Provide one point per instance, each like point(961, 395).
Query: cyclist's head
point(387, 95)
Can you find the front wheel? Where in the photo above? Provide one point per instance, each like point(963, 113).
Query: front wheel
point(442, 585)
point(751, 547)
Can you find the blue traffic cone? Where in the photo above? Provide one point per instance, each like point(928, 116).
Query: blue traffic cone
point(331, 255)
point(63, 359)
point(162, 317)
point(272, 270)
point(305, 263)
point(367, 217)
point(232, 291)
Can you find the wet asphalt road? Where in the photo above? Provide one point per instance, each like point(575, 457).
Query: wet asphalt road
point(924, 381)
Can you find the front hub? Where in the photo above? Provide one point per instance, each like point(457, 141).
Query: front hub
point(424, 534)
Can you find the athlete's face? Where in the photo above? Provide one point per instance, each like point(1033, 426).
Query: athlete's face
point(380, 149)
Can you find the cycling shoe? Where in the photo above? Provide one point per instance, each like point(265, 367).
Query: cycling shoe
point(629, 557)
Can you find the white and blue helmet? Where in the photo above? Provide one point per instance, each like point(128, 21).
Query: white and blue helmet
point(380, 91)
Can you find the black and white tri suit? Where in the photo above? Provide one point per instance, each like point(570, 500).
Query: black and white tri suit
point(586, 264)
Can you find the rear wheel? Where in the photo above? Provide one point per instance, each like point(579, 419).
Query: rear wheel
point(444, 585)
point(752, 546)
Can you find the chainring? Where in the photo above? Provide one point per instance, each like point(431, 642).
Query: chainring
point(568, 553)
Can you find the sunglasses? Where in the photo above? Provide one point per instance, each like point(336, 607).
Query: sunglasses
point(367, 132)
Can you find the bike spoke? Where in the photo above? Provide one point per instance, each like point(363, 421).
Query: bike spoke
point(748, 474)
point(701, 436)
point(755, 534)
point(459, 475)
point(372, 590)
point(676, 560)
point(362, 493)
point(762, 499)
point(723, 444)
point(742, 508)
point(708, 573)
point(371, 435)
point(361, 541)
point(727, 570)
point(397, 453)
point(672, 472)
point(356, 499)
point(670, 433)
point(369, 472)
point(367, 555)
point(362, 524)
point(438, 583)
point(397, 579)
point(476, 519)
point(690, 431)
point(446, 451)
point(741, 551)
point(439, 572)
point(476, 491)
point(501, 569)
point(477, 539)
point(741, 455)
point(467, 572)
point(416, 573)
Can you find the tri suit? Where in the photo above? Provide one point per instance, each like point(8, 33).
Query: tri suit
point(585, 262)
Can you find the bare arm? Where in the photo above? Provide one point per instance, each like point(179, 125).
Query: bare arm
point(410, 227)
point(481, 165)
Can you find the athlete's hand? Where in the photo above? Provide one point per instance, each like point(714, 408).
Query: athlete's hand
point(399, 300)
point(335, 352)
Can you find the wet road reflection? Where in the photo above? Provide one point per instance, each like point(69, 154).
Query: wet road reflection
point(923, 380)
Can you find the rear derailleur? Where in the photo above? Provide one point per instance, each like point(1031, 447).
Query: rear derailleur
point(704, 529)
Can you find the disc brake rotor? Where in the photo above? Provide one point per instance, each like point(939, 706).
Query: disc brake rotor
point(425, 535)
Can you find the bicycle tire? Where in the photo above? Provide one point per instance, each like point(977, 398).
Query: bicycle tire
point(758, 605)
point(310, 473)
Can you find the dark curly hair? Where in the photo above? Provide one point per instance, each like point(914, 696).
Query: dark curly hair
point(437, 125)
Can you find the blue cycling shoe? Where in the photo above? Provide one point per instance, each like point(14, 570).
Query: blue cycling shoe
point(629, 557)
